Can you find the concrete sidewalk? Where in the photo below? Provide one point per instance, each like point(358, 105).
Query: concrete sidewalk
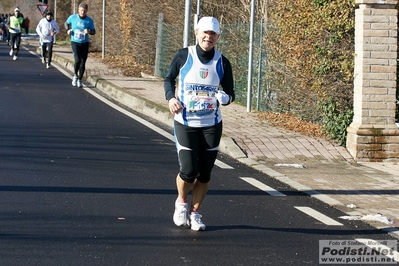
point(315, 166)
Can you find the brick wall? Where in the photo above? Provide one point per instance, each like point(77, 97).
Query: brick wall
point(373, 135)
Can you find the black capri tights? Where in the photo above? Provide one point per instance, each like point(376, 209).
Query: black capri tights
point(197, 150)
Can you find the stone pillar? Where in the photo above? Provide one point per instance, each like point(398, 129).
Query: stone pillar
point(373, 134)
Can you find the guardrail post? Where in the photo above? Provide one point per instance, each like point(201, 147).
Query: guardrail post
point(157, 68)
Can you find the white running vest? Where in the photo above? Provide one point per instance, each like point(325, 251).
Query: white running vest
point(197, 86)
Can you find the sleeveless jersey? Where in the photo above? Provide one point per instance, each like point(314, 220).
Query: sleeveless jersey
point(197, 86)
point(16, 24)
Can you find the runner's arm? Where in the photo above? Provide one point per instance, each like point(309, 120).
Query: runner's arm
point(170, 80)
point(227, 82)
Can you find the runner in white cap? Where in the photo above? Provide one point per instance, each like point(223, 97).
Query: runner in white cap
point(15, 29)
point(205, 83)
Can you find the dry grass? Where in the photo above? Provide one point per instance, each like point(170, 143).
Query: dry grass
point(127, 64)
point(293, 123)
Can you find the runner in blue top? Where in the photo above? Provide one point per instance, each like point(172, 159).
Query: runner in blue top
point(79, 26)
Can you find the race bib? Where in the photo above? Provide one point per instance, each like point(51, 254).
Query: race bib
point(79, 35)
point(200, 98)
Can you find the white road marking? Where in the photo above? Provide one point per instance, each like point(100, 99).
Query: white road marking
point(318, 216)
point(135, 117)
point(223, 165)
point(263, 187)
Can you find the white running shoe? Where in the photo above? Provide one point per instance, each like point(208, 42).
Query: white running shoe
point(74, 81)
point(11, 52)
point(48, 65)
point(180, 215)
point(196, 223)
point(43, 60)
point(79, 83)
point(14, 57)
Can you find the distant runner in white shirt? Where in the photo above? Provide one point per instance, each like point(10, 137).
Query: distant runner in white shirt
point(47, 29)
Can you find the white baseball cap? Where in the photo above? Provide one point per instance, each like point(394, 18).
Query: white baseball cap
point(16, 9)
point(208, 24)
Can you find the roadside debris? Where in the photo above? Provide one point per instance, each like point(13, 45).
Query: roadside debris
point(369, 217)
point(294, 165)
